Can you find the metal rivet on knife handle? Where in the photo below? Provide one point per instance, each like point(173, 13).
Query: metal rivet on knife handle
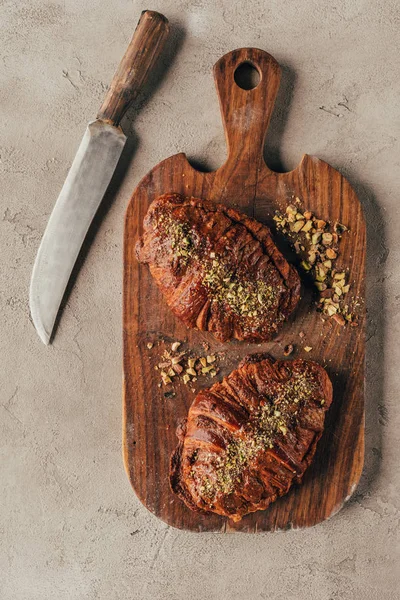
point(145, 47)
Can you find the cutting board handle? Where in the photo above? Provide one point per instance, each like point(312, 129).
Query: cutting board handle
point(246, 112)
point(140, 57)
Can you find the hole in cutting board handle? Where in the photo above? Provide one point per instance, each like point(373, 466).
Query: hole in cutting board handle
point(247, 76)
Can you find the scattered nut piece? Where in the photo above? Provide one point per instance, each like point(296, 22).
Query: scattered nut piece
point(308, 348)
point(302, 334)
point(186, 379)
point(288, 350)
point(297, 226)
point(150, 345)
point(307, 215)
point(210, 358)
point(315, 238)
point(191, 371)
point(191, 362)
point(308, 225)
point(203, 361)
point(175, 346)
point(327, 239)
point(339, 319)
point(321, 224)
point(331, 310)
point(331, 253)
point(339, 228)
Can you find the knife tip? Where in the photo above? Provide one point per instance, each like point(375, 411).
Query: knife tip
point(38, 324)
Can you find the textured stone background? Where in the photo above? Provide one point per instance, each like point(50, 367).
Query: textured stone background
point(70, 526)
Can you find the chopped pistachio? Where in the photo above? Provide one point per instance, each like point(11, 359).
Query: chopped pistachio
point(166, 380)
point(327, 239)
point(308, 348)
point(338, 291)
point(339, 228)
point(345, 289)
point(210, 358)
point(213, 373)
point(283, 429)
point(331, 310)
point(291, 209)
point(330, 253)
point(315, 238)
point(203, 361)
point(328, 264)
point(307, 226)
point(339, 275)
point(163, 365)
point(320, 286)
point(191, 371)
point(175, 346)
point(206, 370)
point(186, 379)
point(312, 257)
point(306, 266)
point(307, 215)
point(288, 349)
point(339, 319)
point(171, 372)
point(297, 226)
point(177, 368)
point(320, 223)
point(150, 345)
point(191, 362)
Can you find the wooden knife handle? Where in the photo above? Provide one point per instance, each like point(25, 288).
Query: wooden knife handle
point(145, 47)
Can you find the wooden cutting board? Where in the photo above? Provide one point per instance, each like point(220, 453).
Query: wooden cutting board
point(244, 182)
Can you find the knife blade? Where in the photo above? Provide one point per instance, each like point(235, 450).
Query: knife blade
point(89, 176)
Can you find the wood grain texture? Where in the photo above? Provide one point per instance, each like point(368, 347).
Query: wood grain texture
point(139, 59)
point(245, 182)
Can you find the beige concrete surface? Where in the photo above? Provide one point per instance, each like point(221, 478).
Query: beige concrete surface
point(70, 526)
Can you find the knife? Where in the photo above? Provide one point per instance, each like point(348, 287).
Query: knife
point(90, 174)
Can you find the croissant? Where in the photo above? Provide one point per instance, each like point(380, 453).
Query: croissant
point(218, 269)
point(248, 439)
